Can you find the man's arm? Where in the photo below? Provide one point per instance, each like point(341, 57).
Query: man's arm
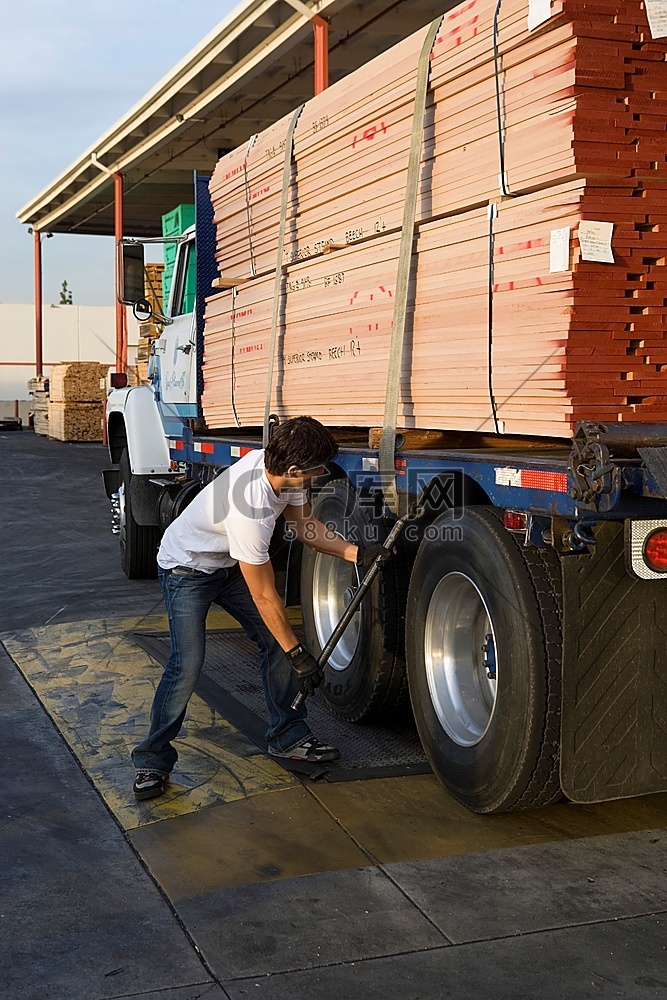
point(262, 586)
point(316, 535)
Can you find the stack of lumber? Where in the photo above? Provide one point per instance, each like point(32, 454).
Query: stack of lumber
point(583, 102)
point(133, 373)
point(148, 332)
point(76, 405)
point(38, 388)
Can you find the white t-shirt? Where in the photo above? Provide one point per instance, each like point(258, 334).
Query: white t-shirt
point(231, 519)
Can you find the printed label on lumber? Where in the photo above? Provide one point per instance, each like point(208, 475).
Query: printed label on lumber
point(595, 241)
point(657, 17)
point(539, 11)
point(559, 250)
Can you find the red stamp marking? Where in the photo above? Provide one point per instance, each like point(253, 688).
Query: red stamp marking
point(523, 245)
point(235, 171)
point(509, 286)
point(369, 133)
point(461, 31)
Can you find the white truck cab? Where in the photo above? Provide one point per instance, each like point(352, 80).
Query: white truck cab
point(140, 419)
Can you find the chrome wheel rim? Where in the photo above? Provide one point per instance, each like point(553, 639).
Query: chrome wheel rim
point(460, 659)
point(334, 583)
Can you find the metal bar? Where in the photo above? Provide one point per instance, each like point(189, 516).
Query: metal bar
point(16, 409)
point(39, 338)
point(121, 339)
point(301, 7)
point(362, 590)
point(321, 41)
point(622, 439)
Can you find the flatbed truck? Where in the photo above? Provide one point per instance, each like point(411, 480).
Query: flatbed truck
point(524, 616)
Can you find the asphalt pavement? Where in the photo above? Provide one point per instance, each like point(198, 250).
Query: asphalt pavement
point(261, 885)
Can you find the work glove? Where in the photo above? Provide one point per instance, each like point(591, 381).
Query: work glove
point(306, 669)
point(366, 557)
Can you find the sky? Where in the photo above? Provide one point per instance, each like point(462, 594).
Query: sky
point(68, 71)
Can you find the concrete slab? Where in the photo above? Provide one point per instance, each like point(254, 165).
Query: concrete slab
point(97, 685)
point(501, 893)
point(80, 918)
point(84, 921)
point(407, 819)
point(624, 958)
point(259, 839)
point(57, 538)
point(305, 923)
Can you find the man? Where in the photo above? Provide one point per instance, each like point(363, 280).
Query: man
point(218, 550)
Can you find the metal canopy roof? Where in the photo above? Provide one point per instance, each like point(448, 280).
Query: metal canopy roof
point(252, 69)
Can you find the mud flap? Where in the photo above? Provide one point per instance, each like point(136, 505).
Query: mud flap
point(614, 703)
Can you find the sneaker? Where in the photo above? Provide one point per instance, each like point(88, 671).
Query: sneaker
point(311, 750)
point(149, 784)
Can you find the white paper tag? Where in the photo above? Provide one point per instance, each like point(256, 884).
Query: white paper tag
point(508, 477)
point(657, 17)
point(559, 250)
point(539, 11)
point(595, 241)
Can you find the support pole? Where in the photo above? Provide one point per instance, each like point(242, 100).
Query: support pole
point(39, 339)
point(121, 338)
point(321, 41)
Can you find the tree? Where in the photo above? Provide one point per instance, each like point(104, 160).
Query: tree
point(65, 295)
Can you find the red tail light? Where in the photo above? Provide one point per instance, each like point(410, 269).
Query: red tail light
point(655, 550)
point(514, 520)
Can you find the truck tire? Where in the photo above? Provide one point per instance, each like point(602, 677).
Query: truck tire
point(138, 542)
point(365, 678)
point(484, 662)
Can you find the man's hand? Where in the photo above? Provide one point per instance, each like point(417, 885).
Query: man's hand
point(304, 665)
point(366, 557)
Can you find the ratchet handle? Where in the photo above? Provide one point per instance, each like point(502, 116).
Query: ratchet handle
point(363, 589)
point(299, 701)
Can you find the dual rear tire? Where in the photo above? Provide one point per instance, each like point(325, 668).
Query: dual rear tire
point(483, 651)
point(483, 646)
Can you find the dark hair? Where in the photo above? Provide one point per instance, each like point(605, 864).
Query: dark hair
point(301, 441)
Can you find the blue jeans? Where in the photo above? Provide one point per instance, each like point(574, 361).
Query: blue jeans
point(188, 597)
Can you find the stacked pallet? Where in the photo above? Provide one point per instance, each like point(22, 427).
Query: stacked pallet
point(77, 395)
point(148, 332)
point(38, 388)
point(510, 327)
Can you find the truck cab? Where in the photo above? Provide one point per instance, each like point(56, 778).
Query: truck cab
point(142, 419)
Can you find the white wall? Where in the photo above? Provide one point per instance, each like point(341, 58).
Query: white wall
point(70, 333)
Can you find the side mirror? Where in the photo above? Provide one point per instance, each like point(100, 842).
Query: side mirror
point(142, 310)
point(131, 273)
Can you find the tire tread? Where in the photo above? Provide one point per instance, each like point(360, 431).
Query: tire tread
point(138, 562)
point(543, 565)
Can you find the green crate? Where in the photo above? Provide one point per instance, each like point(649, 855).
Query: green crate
point(190, 285)
point(167, 277)
point(175, 223)
point(170, 251)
